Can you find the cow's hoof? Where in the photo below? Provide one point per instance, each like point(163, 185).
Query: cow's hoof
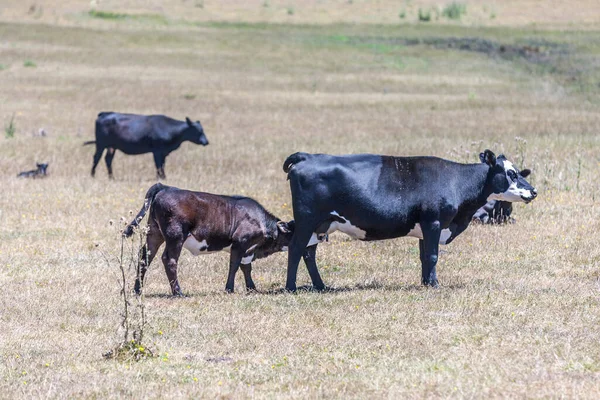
point(178, 294)
point(229, 291)
point(431, 283)
point(290, 289)
point(251, 290)
point(320, 288)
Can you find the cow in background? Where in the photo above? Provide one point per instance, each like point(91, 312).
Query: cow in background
point(40, 172)
point(497, 211)
point(138, 134)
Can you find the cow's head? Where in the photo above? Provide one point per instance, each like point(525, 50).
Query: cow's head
point(195, 132)
point(41, 168)
point(508, 183)
point(277, 240)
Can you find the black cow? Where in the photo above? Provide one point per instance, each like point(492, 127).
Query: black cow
point(497, 211)
point(40, 172)
point(138, 134)
point(205, 223)
point(373, 197)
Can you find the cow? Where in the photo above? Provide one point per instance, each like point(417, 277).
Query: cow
point(138, 134)
point(497, 211)
point(375, 197)
point(40, 172)
point(205, 223)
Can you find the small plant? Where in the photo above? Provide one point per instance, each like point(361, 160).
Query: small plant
point(493, 15)
point(189, 96)
point(199, 4)
point(10, 129)
point(402, 14)
point(454, 10)
point(3, 67)
point(133, 319)
point(29, 64)
point(290, 10)
point(424, 15)
point(266, 4)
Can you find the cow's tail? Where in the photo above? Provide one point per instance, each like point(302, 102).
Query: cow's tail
point(150, 195)
point(293, 160)
point(89, 142)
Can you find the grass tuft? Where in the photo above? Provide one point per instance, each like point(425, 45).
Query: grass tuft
point(29, 64)
point(454, 10)
point(10, 129)
point(424, 15)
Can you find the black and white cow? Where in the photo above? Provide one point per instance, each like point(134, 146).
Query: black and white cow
point(138, 134)
point(497, 211)
point(41, 171)
point(374, 197)
point(206, 223)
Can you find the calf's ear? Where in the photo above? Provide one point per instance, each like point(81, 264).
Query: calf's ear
point(188, 121)
point(283, 227)
point(488, 157)
point(525, 172)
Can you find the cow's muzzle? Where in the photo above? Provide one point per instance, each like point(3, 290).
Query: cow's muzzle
point(530, 198)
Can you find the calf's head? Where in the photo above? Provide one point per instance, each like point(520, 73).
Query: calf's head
point(41, 168)
point(508, 183)
point(195, 133)
point(278, 239)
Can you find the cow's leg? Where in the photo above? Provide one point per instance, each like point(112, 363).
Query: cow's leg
point(110, 154)
point(297, 248)
point(159, 161)
point(235, 260)
point(169, 258)
point(97, 157)
point(310, 259)
point(429, 247)
point(247, 270)
point(153, 241)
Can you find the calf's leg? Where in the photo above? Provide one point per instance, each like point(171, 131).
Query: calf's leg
point(169, 258)
point(153, 241)
point(247, 270)
point(235, 260)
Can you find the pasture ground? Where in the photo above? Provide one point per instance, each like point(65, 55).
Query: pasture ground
point(517, 312)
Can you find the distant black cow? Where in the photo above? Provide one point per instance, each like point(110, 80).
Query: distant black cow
point(373, 197)
point(40, 172)
point(138, 134)
point(497, 211)
point(205, 223)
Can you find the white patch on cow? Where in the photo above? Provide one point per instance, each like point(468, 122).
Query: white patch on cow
point(346, 227)
point(284, 248)
point(252, 248)
point(316, 238)
point(196, 248)
point(248, 259)
point(418, 233)
point(513, 194)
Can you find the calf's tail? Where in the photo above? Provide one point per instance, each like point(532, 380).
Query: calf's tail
point(150, 195)
point(292, 160)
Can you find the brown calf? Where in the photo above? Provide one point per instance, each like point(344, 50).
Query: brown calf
point(205, 223)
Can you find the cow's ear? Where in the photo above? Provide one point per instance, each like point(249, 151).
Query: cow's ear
point(525, 172)
point(283, 227)
point(488, 157)
point(188, 121)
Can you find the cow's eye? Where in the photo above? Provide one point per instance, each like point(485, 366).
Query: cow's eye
point(512, 175)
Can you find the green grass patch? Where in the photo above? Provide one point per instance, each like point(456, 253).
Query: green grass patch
point(112, 16)
point(29, 64)
point(454, 10)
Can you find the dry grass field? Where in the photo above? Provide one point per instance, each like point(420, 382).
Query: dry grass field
point(517, 314)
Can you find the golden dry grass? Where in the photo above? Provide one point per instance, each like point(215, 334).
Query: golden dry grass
point(517, 313)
